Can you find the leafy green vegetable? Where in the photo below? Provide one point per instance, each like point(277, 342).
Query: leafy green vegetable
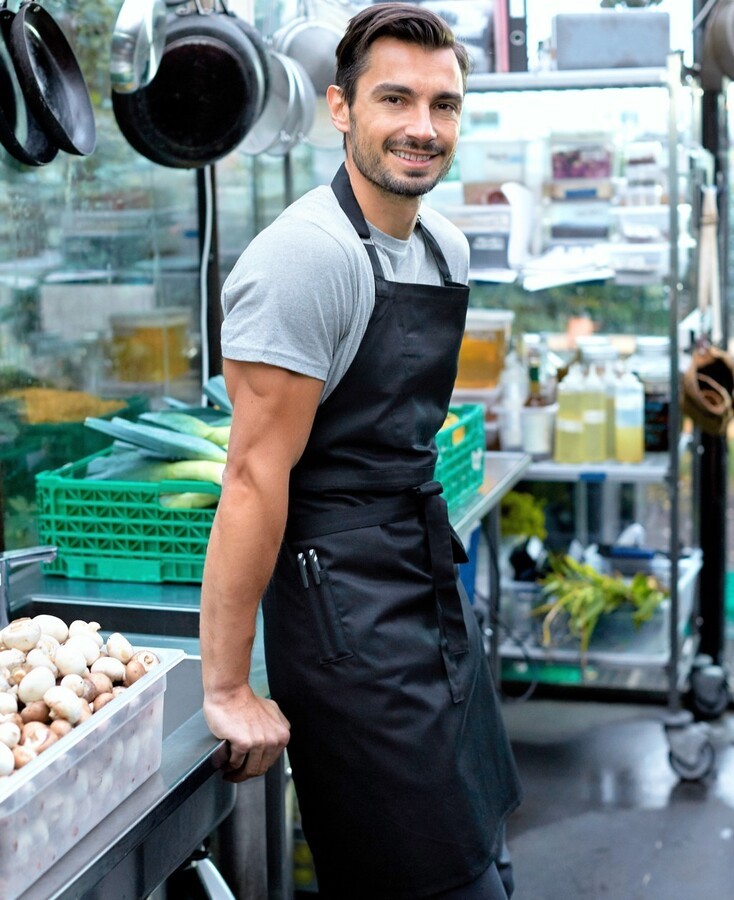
point(582, 594)
point(522, 514)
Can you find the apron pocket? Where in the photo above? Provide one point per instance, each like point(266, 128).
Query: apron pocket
point(329, 628)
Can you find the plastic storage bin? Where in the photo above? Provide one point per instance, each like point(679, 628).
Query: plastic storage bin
point(614, 632)
point(50, 804)
point(460, 464)
point(119, 530)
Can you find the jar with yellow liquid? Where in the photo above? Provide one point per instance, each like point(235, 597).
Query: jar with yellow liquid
point(150, 346)
point(483, 348)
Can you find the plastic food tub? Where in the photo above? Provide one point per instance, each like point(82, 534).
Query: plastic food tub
point(50, 804)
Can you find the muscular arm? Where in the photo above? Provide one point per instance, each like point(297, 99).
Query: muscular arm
point(273, 414)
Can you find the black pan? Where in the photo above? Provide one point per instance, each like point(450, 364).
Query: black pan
point(204, 98)
point(20, 133)
point(263, 73)
point(52, 81)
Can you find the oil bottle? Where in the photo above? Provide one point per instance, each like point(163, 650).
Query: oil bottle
point(569, 444)
point(629, 419)
point(594, 415)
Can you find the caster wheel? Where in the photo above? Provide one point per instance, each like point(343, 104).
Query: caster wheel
point(697, 770)
point(706, 709)
point(709, 694)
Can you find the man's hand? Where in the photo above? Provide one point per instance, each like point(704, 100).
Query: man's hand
point(254, 727)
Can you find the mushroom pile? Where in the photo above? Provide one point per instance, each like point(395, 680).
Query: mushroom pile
point(53, 677)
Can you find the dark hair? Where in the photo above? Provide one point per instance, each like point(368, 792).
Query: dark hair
point(404, 21)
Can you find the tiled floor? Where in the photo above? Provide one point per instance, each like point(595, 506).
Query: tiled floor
point(606, 818)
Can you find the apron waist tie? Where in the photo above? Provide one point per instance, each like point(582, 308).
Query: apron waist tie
point(454, 640)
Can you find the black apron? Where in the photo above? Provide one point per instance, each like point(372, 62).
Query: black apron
point(402, 768)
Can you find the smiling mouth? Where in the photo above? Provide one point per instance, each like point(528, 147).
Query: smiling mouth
point(413, 157)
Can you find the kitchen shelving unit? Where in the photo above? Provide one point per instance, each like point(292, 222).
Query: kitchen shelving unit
point(666, 671)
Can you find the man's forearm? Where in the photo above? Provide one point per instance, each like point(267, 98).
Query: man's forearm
point(242, 551)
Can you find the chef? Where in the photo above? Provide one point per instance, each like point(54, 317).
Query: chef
point(342, 327)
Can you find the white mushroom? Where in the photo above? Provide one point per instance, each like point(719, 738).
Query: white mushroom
point(60, 727)
point(11, 658)
point(9, 734)
point(48, 644)
point(38, 736)
point(35, 684)
point(36, 657)
point(23, 755)
point(100, 683)
point(63, 703)
point(37, 711)
point(52, 625)
point(70, 661)
point(7, 760)
point(102, 700)
point(21, 634)
point(134, 670)
point(18, 674)
point(75, 683)
point(78, 626)
point(86, 645)
point(119, 647)
point(8, 703)
point(4, 679)
point(147, 658)
point(112, 668)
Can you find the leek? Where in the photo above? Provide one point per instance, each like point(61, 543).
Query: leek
point(185, 423)
point(162, 441)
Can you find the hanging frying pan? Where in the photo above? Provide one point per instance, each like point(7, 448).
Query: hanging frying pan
point(51, 79)
point(313, 44)
point(296, 126)
point(20, 133)
point(204, 97)
point(289, 112)
point(263, 71)
point(137, 44)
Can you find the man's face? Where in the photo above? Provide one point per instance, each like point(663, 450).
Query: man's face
point(404, 122)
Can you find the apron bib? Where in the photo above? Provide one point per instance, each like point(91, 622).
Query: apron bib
point(402, 767)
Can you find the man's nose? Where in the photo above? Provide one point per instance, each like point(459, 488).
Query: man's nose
point(420, 123)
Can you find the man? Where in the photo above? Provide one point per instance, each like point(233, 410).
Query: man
point(342, 329)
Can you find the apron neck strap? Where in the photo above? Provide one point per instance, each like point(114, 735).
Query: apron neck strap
point(342, 187)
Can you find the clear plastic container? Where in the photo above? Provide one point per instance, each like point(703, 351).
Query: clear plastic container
point(50, 804)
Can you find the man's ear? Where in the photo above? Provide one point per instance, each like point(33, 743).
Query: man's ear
point(338, 108)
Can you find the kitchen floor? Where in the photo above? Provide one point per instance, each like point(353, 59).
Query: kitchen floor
point(605, 817)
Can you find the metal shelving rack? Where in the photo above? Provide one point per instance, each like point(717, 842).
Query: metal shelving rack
point(691, 752)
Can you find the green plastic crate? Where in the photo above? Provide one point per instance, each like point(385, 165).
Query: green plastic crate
point(460, 464)
point(119, 530)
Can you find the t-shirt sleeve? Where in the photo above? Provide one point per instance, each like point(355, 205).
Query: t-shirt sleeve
point(289, 299)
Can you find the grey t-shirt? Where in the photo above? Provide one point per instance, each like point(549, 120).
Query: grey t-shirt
point(301, 294)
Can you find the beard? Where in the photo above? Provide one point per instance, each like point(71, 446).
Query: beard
point(370, 163)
